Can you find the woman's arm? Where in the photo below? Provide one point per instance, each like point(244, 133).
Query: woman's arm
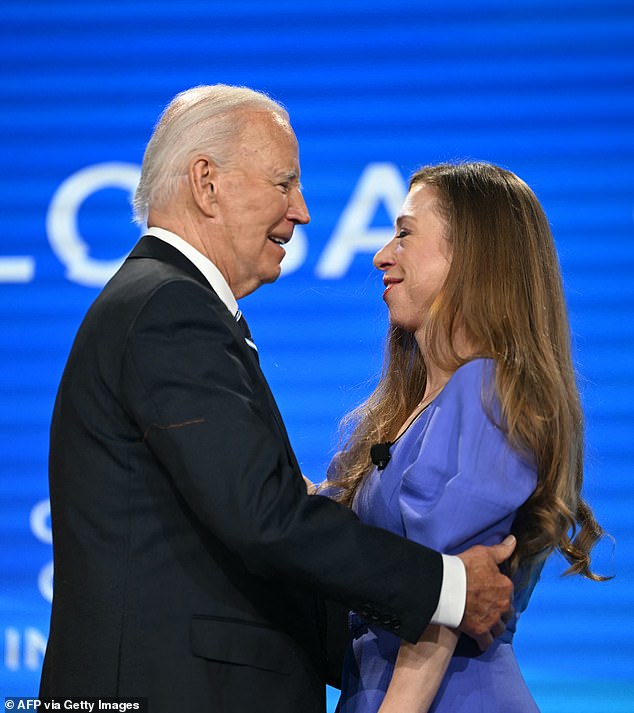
point(464, 464)
point(419, 670)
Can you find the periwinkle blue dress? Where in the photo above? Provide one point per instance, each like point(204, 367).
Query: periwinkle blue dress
point(452, 482)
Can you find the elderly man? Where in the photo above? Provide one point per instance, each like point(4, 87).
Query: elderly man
point(191, 566)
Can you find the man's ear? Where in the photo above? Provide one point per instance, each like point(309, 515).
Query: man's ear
point(202, 177)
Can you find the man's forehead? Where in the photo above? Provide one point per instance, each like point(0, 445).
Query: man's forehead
point(267, 120)
point(283, 122)
point(265, 132)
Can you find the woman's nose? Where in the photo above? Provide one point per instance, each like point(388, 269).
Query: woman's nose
point(384, 258)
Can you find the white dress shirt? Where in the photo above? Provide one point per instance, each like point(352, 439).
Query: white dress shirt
point(453, 592)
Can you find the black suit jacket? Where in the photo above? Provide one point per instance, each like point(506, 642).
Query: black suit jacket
point(190, 565)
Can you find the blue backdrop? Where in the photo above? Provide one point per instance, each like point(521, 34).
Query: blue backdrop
point(543, 87)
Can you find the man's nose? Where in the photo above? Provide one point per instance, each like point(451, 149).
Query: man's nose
point(297, 209)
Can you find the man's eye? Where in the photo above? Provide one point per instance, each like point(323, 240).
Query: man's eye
point(401, 234)
point(285, 186)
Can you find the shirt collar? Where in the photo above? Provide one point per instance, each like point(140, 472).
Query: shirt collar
point(202, 262)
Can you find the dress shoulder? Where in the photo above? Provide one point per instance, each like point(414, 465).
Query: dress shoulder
point(462, 476)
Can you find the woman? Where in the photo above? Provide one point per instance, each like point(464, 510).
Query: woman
point(475, 427)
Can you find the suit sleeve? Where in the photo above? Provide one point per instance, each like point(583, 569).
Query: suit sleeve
point(193, 393)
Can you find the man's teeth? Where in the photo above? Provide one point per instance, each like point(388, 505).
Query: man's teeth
point(277, 241)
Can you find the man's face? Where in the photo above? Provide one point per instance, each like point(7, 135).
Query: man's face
point(259, 202)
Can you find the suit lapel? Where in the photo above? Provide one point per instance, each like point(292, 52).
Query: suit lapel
point(152, 247)
point(280, 424)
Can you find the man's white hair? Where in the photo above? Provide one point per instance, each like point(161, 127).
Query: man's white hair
point(203, 120)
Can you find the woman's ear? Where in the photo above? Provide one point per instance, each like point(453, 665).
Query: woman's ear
point(202, 175)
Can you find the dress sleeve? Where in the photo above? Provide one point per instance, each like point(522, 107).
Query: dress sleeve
point(464, 482)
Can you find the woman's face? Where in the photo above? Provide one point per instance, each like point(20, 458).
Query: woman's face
point(416, 261)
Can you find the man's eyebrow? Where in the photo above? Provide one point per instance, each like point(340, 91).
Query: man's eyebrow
point(291, 176)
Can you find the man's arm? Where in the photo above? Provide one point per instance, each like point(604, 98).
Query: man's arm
point(196, 393)
point(188, 386)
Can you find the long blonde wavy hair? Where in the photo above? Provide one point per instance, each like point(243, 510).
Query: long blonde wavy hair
point(504, 294)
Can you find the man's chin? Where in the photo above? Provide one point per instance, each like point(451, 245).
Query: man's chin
point(272, 275)
point(257, 282)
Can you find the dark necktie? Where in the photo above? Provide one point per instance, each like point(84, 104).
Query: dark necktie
point(246, 332)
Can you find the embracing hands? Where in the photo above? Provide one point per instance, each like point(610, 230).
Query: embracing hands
point(489, 593)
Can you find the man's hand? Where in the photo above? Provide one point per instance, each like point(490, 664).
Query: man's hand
point(489, 593)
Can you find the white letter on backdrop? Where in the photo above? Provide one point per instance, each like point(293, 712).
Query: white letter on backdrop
point(380, 182)
point(61, 220)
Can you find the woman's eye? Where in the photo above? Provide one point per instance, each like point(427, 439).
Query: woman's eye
point(401, 234)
